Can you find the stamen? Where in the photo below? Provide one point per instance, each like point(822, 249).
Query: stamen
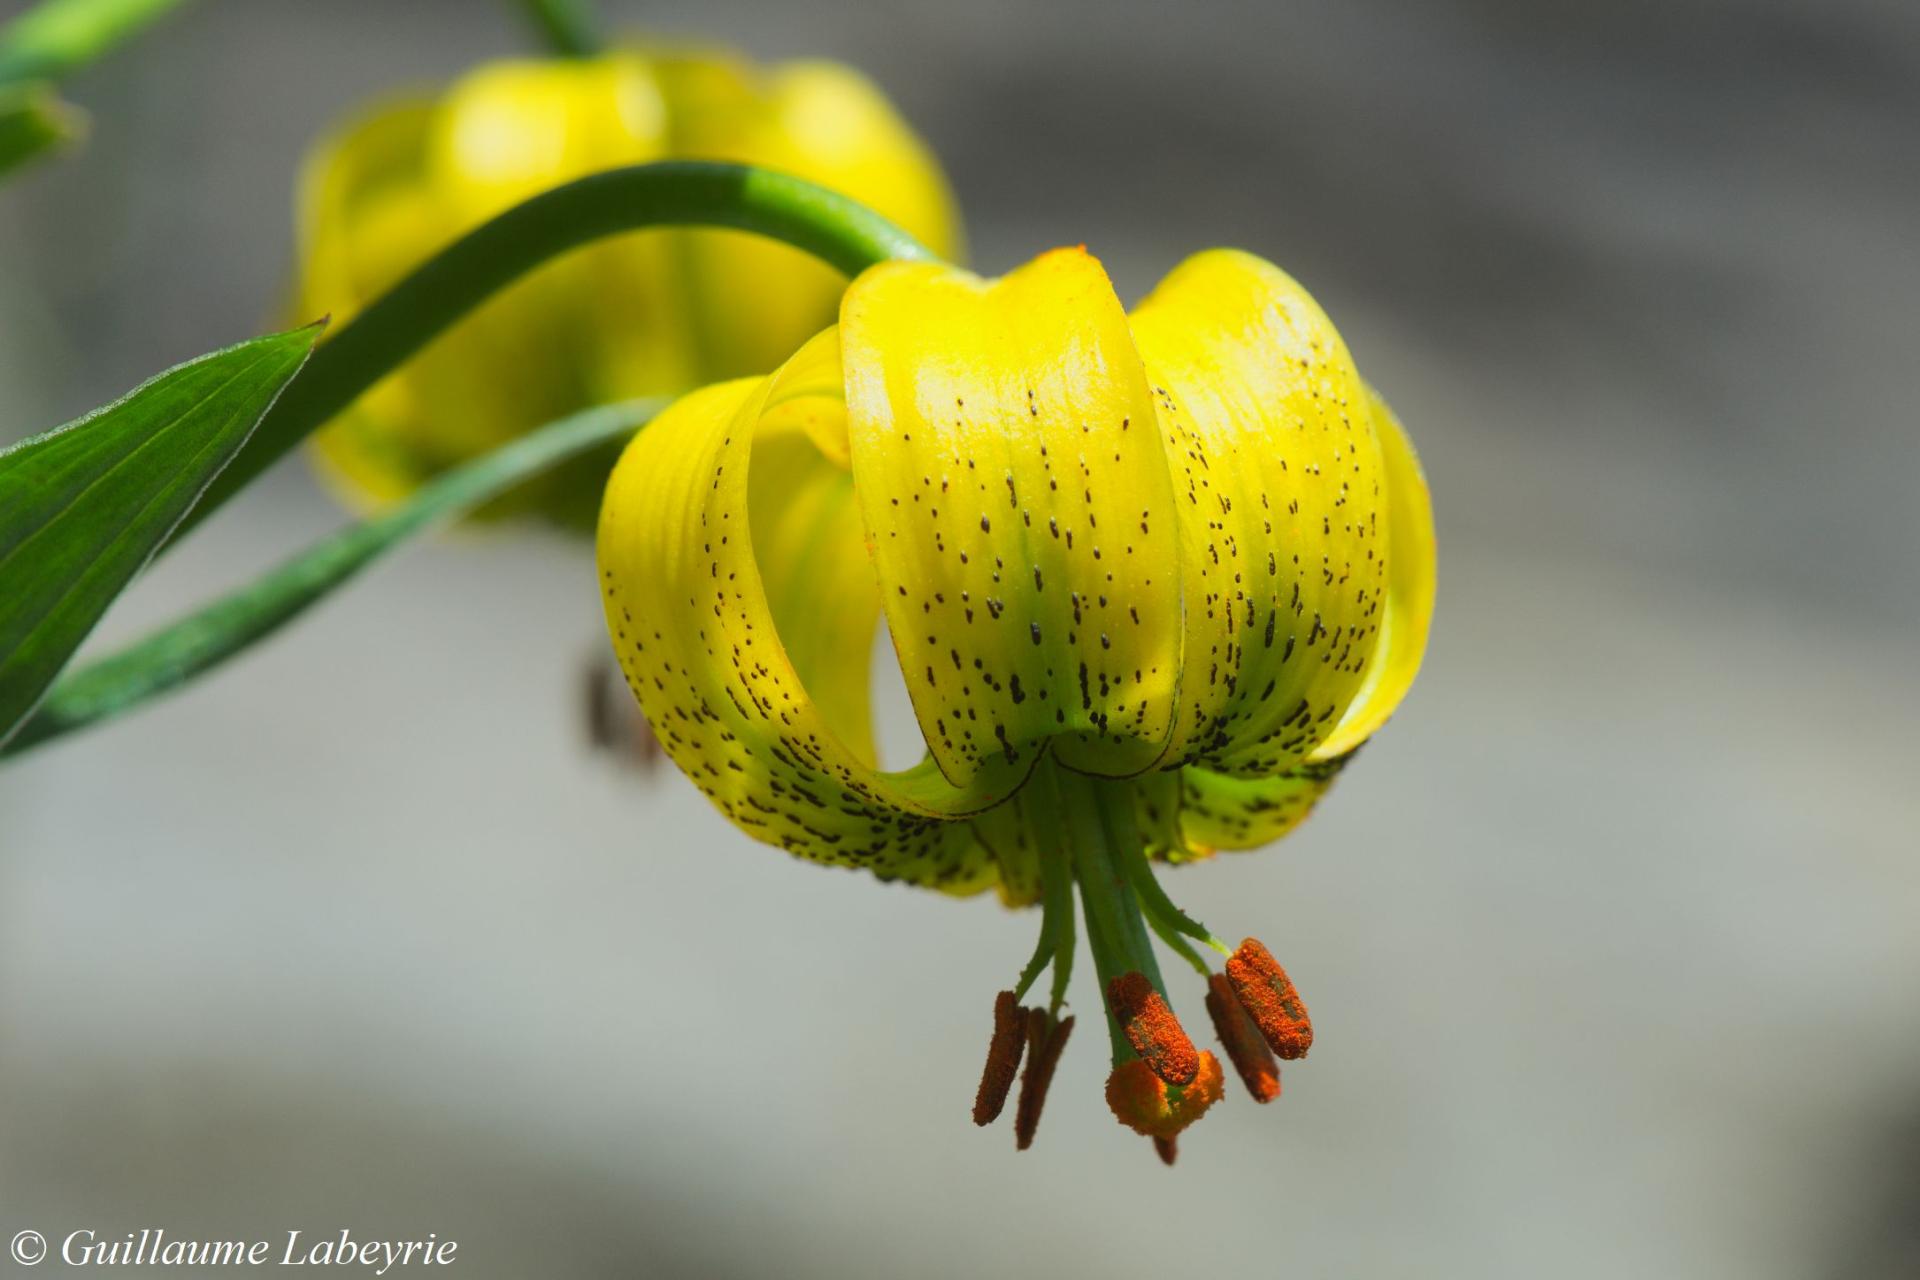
point(1046, 1038)
point(1003, 1058)
point(1150, 1027)
point(1169, 1149)
point(1245, 1049)
point(1167, 920)
point(1268, 995)
point(1176, 944)
point(1150, 1106)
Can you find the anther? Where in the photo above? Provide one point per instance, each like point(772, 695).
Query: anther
point(1169, 1149)
point(1045, 1041)
point(1268, 995)
point(1150, 1027)
point(1245, 1048)
point(1003, 1058)
point(1150, 1106)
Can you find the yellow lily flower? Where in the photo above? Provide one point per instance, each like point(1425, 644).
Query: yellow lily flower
point(1151, 578)
point(643, 315)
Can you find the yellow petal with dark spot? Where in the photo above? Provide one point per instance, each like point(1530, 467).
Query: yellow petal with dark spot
point(1410, 589)
point(1190, 548)
point(1017, 497)
point(770, 726)
point(1222, 812)
point(1281, 499)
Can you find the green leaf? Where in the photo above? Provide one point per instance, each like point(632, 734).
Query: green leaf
point(568, 26)
point(85, 506)
point(59, 36)
point(45, 43)
point(203, 640)
point(34, 121)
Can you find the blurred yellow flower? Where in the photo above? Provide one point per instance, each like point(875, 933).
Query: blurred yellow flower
point(1151, 579)
point(651, 313)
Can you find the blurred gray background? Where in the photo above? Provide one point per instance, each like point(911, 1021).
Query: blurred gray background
point(1613, 938)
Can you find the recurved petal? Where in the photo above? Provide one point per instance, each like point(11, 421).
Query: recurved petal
point(1410, 589)
point(1218, 811)
point(695, 625)
point(844, 133)
point(513, 129)
point(1006, 833)
point(367, 216)
point(1017, 497)
point(364, 216)
point(1281, 495)
point(753, 299)
point(808, 542)
point(602, 323)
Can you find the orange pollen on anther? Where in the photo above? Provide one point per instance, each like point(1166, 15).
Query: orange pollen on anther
point(1003, 1058)
point(1150, 1106)
point(1150, 1027)
point(1268, 996)
point(1045, 1041)
point(1169, 1150)
point(1245, 1048)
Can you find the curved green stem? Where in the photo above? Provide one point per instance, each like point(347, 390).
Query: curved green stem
point(568, 26)
point(676, 193)
point(182, 650)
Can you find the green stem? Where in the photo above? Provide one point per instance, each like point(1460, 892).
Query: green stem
point(451, 283)
point(568, 26)
point(177, 653)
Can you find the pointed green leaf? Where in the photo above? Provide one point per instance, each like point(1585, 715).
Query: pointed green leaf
point(84, 507)
point(204, 639)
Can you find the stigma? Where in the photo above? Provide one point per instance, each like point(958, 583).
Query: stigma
point(1148, 1105)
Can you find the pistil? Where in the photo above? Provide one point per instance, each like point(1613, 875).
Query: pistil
point(1086, 814)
